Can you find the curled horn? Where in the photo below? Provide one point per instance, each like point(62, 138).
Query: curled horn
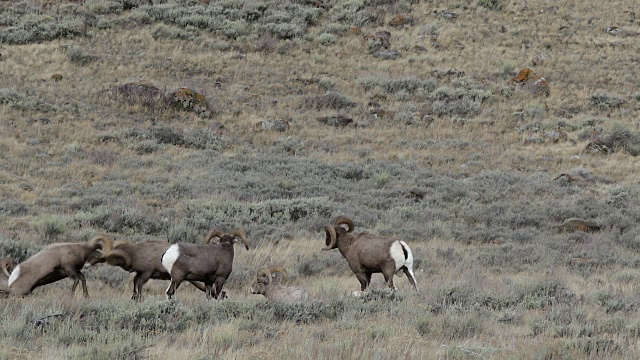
point(118, 257)
point(213, 233)
point(106, 243)
point(279, 269)
point(239, 233)
point(332, 238)
point(6, 264)
point(264, 272)
point(344, 220)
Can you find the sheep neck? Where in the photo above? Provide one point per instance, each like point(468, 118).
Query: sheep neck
point(344, 244)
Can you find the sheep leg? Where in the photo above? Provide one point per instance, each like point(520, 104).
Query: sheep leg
point(411, 277)
point(138, 282)
point(219, 283)
point(176, 279)
point(388, 277)
point(171, 290)
point(135, 287)
point(207, 291)
point(364, 279)
point(77, 277)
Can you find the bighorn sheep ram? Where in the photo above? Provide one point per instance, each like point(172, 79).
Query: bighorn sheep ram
point(210, 263)
point(367, 253)
point(6, 265)
point(267, 284)
point(142, 258)
point(56, 262)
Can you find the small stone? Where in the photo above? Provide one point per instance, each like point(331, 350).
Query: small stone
point(276, 125)
point(539, 59)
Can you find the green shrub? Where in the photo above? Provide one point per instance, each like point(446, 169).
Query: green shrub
point(460, 326)
point(605, 102)
point(491, 4)
point(77, 56)
point(18, 250)
point(104, 7)
point(411, 85)
point(327, 39)
point(332, 100)
point(36, 29)
point(162, 31)
point(51, 228)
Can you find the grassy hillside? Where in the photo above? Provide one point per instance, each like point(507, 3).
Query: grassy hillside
point(293, 114)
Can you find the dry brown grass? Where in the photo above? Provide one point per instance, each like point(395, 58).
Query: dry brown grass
point(87, 157)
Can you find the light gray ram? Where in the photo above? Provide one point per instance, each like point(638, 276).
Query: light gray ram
point(56, 262)
point(270, 286)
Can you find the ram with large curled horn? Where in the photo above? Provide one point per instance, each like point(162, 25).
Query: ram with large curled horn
point(270, 286)
point(210, 263)
point(56, 262)
point(368, 253)
point(144, 259)
point(6, 265)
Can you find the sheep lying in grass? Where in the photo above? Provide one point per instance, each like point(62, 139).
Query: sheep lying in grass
point(269, 285)
point(56, 262)
point(210, 263)
point(142, 258)
point(367, 253)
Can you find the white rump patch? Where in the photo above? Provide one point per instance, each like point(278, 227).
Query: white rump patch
point(14, 275)
point(170, 256)
point(408, 262)
point(397, 254)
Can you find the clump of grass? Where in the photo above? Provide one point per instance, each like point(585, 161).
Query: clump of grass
point(491, 4)
point(355, 13)
point(460, 101)
point(51, 228)
point(459, 326)
point(34, 28)
point(20, 101)
point(18, 250)
point(104, 7)
point(327, 39)
point(411, 85)
point(131, 20)
point(331, 100)
point(162, 31)
point(77, 56)
point(606, 101)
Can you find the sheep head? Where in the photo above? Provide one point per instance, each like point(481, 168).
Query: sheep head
point(228, 238)
point(7, 265)
point(264, 277)
point(102, 245)
point(106, 244)
point(213, 233)
point(101, 255)
point(337, 230)
point(239, 233)
point(118, 257)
